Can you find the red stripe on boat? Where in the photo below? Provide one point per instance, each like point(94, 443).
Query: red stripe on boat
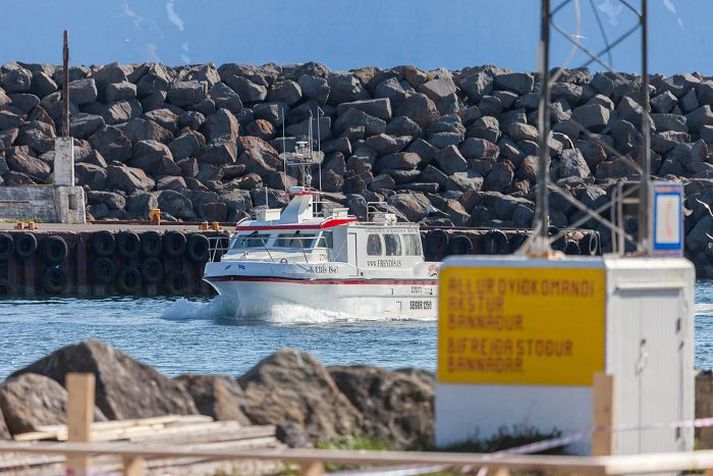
point(327, 224)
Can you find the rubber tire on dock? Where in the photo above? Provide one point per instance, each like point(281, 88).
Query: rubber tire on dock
point(7, 246)
point(174, 244)
point(6, 289)
point(572, 248)
point(460, 245)
point(54, 280)
point(25, 245)
point(437, 243)
point(128, 281)
point(198, 248)
point(590, 245)
point(103, 243)
point(176, 283)
point(494, 242)
point(128, 244)
point(516, 241)
point(103, 270)
point(152, 270)
point(151, 243)
point(559, 243)
point(54, 250)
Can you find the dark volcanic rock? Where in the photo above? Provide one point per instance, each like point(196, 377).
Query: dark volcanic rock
point(293, 386)
point(125, 387)
point(218, 396)
point(29, 400)
point(396, 407)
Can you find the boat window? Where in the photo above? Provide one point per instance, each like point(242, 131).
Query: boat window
point(253, 240)
point(373, 245)
point(283, 240)
point(393, 245)
point(412, 245)
point(302, 240)
point(325, 241)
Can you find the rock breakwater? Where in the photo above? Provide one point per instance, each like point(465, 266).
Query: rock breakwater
point(309, 403)
point(441, 147)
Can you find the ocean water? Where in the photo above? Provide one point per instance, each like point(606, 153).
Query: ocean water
point(201, 336)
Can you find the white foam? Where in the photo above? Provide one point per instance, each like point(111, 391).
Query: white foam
point(183, 309)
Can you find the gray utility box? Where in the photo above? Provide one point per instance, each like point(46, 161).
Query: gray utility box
point(520, 339)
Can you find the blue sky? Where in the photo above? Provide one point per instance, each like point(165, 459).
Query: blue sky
point(345, 33)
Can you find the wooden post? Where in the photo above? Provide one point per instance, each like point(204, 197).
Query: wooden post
point(312, 468)
point(134, 466)
point(603, 414)
point(80, 412)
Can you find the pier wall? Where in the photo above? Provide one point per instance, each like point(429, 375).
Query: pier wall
point(101, 263)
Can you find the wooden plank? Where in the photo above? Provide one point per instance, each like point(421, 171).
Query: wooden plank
point(312, 468)
point(80, 412)
point(577, 464)
point(603, 414)
point(134, 466)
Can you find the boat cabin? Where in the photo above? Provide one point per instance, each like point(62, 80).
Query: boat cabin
point(301, 234)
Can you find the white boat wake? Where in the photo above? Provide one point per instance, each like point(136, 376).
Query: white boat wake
point(184, 310)
point(221, 307)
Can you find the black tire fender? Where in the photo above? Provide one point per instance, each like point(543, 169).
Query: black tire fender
point(198, 248)
point(495, 242)
point(55, 280)
point(103, 270)
point(460, 245)
point(151, 243)
point(572, 248)
point(152, 270)
point(128, 280)
point(177, 283)
point(25, 245)
point(591, 244)
point(54, 250)
point(174, 244)
point(128, 244)
point(7, 290)
point(103, 243)
point(7, 246)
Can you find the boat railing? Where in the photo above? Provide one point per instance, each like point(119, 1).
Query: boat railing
point(217, 247)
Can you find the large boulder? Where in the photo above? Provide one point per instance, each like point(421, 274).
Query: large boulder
point(293, 386)
point(395, 406)
point(420, 108)
point(28, 165)
point(154, 158)
point(128, 179)
point(218, 396)
point(112, 143)
point(125, 388)
point(176, 204)
point(29, 401)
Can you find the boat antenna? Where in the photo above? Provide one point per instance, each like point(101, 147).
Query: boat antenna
point(320, 113)
point(284, 147)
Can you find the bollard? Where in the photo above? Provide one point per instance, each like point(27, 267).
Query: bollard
point(155, 216)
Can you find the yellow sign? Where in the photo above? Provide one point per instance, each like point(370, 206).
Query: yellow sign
point(516, 325)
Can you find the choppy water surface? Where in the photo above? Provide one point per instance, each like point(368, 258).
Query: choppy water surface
point(200, 336)
point(179, 336)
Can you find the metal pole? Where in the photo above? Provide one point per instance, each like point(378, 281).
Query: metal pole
point(541, 213)
point(65, 87)
point(644, 241)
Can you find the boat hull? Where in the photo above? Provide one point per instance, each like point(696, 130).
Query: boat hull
point(353, 298)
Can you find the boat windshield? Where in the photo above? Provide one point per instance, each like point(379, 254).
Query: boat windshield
point(295, 239)
point(253, 240)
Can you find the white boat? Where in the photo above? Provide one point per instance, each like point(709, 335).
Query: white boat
point(326, 261)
